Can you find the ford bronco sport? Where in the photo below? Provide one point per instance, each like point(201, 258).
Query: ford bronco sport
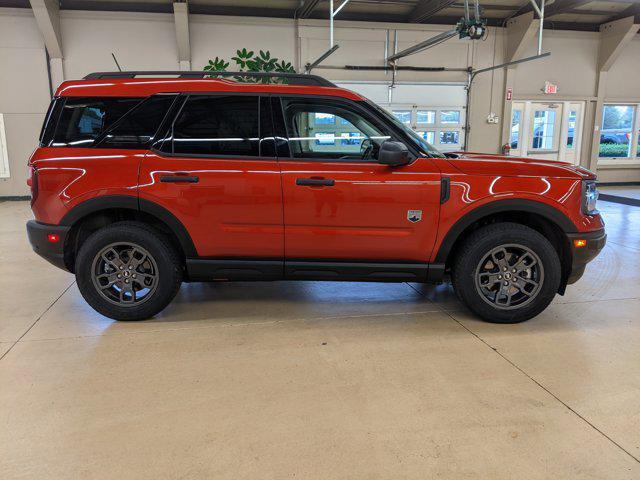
point(142, 181)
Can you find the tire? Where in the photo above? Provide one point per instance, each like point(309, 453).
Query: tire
point(118, 253)
point(502, 296)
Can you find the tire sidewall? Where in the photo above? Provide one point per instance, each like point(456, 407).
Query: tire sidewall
point(480, 245)
point(168, 271)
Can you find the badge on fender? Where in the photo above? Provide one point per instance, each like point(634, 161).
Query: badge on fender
point(414, 215)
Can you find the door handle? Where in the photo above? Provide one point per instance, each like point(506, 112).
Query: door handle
point(179, 179)
point(315, 182)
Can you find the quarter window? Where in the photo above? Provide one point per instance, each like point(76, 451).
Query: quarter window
point(84, 120)
point(217, 125)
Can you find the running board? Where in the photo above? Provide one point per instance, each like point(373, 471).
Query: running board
point(202, 270)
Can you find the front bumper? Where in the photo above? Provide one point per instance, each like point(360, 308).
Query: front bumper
point(53, 252)
point(583, 255)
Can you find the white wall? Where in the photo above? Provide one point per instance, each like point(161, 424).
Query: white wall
point(145, 41)
point(24, 93)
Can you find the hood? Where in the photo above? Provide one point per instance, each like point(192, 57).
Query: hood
point(472, 163)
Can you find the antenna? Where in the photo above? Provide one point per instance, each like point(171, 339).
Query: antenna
point(116, 60)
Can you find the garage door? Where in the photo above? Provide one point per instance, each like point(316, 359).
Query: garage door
point(435, 111)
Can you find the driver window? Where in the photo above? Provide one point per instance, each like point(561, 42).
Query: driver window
point(326, 129)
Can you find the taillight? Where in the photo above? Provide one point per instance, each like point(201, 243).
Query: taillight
point(32, 181)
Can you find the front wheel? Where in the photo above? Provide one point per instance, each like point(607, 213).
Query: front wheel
point(506, 273)
point(128, 271)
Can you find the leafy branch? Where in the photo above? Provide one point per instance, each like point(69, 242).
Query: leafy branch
point(248, 62)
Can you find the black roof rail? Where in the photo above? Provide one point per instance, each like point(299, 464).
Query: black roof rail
point(293, 78)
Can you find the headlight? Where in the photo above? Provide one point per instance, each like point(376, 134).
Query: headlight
point(589, 197)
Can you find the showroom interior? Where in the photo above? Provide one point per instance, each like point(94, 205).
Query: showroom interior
point(321, 379)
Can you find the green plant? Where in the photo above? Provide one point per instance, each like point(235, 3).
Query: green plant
point(216, 65)
point(614, 150)
point(248, 62)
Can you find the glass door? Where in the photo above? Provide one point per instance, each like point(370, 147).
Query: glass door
point(571, 133)
point(544, 130)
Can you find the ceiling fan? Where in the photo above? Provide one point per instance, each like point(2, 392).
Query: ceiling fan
point(467, 27)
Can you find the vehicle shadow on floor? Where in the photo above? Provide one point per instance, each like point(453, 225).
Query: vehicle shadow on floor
point(281, 300)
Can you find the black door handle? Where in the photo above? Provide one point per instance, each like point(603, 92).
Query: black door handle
point(315, 182)
point(179, 179)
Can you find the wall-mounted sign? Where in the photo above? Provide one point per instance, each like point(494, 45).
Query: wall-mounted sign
point(550, 88)
point(509, 93)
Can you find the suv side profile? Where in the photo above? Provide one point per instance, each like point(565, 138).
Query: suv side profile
point(142, 181)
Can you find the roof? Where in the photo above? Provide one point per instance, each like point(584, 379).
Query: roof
point(560, 15)
point(142, 87)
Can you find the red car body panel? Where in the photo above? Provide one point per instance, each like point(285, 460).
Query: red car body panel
point(364, 215)
point(151, 86)
point(235, 209)
point(248, 207)
point(68, 177)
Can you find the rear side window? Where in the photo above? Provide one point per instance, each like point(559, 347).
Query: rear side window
point(84, 120)
point(138, 127)
point(218, 126)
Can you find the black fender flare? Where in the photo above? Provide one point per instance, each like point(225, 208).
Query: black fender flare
point(129, 202)
point(551, 214)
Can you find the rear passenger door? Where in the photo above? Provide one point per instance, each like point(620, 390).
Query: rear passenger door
point(215, 170)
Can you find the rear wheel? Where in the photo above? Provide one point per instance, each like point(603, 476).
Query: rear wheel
point(506, 273)
point(128, 271)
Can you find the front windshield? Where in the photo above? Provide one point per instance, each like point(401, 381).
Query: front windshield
point(419, 142)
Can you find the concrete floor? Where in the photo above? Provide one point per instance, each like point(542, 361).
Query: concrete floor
point(319, 380)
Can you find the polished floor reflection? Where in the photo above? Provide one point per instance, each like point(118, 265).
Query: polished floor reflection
point(318, 379)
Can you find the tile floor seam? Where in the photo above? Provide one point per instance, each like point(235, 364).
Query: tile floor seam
point(623, 245)
point(566, 405)
point(37, 320)
point(201, 327)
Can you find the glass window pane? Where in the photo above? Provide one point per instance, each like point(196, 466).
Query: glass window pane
point(544, 122)
point(84, 119)
point(324, 119)
point(516, 121)
point(353, 137)
point(615, 136)
point(571, 130)
point(429, 136)
point(450, 116)
point(403, 115)
point(449, 137)
point(325, 138)
point(426, 116)
point(217, 125)
point(137, 128)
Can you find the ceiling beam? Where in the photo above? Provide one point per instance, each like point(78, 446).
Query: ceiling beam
point(425, 9)
point(614, 36)
point(181, 20)
point(630, 11)
point(556, 8)
point(521, 31)
point(306, 8)
point(47, 14)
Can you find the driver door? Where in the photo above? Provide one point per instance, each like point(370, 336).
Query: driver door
point(339, 203)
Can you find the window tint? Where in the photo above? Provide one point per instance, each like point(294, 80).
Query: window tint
point(83, 120)
point(138, 127)
point(217, 125)
point(349, 137)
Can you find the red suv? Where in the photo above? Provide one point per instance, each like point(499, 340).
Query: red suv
point(142, 181)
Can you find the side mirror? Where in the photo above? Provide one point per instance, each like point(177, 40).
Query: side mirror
point(393, 154)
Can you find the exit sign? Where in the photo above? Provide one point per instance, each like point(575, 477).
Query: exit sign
point(550, 88)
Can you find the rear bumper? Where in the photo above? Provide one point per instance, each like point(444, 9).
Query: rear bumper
point(583, 255)
point(53, 252)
